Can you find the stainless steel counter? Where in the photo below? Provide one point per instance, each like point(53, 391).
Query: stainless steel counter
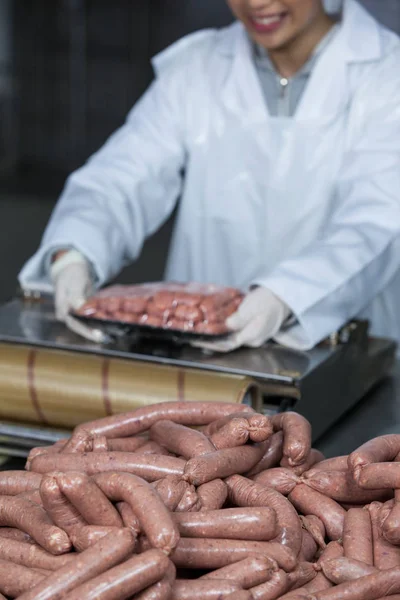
point(34, 323)
point(322, 384)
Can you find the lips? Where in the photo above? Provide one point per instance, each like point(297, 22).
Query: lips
point(267, 23)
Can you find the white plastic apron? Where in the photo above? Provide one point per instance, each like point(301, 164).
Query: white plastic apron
point(268, 182)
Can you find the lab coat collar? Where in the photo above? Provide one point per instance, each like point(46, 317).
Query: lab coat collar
point(359, 35)
point(357, 40)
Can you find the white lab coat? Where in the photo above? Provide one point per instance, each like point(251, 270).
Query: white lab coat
point(307, 206)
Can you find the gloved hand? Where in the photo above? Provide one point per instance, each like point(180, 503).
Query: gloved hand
point(73, 283)
point(257, 320)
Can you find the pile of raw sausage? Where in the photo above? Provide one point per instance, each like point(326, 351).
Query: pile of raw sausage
point(191, 307)
point(210, 501)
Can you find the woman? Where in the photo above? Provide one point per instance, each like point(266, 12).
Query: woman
point(287, 127)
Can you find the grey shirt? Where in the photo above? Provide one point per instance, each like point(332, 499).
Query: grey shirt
point(281, 94)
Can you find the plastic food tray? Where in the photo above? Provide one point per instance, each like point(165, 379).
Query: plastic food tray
point(159, 333)
point(168, 311)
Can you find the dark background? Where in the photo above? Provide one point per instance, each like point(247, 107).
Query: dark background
point(70, 70)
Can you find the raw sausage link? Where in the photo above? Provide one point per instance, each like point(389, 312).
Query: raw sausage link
point(244, 492)
point(80, 442)
point(125, 579)
point(89, 500)
point(171, 490)
point(59, 508)
point(297, 594)
point(260, 428)
point(315, 528)
point(303, 574)
point(184, 413)
point(344, 569)
point(108, 552)
point(35, 452)
point(296, 436)
point(149, 466)
point(310, 502)
point(272, 589)
point(313, 458)
point(281, 479)
point(338, 463)
point(13, 483)
point(162, 590)
point(31, 518)
point(377, 450)
point(129, 444)
point(308, 548)
point(319, 583)
point(31, 555)
point(154, 518)
point(199, 589)
point(272, 455)
point(385, 511)
point(216, 424)
point(248, 572)
point(234, 433)
point(257, 524)
point(204, 553)
point(158, 591)
point(190, 501)
point(223, 463)
point(332, 551)
point(340, 486)
point(84, 537)
point(180, 440)
point(100, 444)
point(379, 476)
point(357, 536)
point(32, 496)
point(16, 579)
point(152, 448)
point(391, 525)
point(386, 556)
point(128, 517)
point(242, 595)
point(365, 588)
point(15, 534)
point(212, 495)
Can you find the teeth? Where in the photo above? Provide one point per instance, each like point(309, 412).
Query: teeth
point(268, 20)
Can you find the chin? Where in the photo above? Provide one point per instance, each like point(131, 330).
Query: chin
point(271, 42)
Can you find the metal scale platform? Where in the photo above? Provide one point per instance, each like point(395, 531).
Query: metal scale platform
point(321, 384)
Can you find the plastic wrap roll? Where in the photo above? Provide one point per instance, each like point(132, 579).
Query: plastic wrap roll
point(62, 389)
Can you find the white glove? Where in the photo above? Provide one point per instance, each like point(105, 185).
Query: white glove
point(257, 320)
point(73, 283)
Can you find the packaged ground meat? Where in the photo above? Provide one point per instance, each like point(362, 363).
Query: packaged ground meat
point(195, 308)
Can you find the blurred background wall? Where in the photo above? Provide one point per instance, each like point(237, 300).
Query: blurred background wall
point(70, 70)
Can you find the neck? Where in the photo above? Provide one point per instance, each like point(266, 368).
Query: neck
point(289, 59)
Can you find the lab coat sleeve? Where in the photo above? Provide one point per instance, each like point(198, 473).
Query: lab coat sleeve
point(358, 254)
point(124, 192)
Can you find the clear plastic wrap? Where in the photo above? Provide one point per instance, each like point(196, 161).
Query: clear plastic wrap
point(195, 308)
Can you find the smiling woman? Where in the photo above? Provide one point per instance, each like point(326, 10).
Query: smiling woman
point(297, 207)
point(284, 27)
